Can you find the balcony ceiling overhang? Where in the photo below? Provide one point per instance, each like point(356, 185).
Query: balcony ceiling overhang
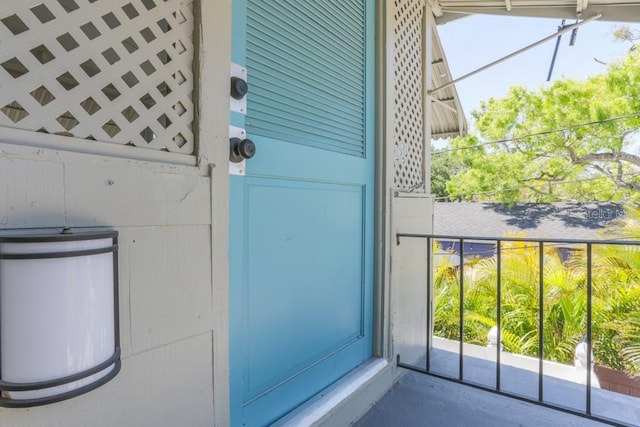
point(611, 10)
point(447, 116)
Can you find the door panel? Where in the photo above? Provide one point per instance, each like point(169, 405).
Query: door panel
point(301, 220)
point(292, 273)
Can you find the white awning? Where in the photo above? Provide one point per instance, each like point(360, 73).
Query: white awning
point(611, 10)
point(447, 117)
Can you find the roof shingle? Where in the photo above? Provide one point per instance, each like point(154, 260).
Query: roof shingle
point(536, 220)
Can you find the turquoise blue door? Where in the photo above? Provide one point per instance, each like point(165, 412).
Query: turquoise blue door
point(301, 219)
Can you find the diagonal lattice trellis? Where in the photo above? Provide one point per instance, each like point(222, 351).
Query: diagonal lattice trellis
point(408, 98)
point(110, 70)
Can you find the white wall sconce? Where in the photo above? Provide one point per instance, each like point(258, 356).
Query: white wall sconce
point(59, 331)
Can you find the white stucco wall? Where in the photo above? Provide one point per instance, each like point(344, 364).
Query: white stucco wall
point(410, 306)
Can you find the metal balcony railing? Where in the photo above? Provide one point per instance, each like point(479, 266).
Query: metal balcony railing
point(585, 261)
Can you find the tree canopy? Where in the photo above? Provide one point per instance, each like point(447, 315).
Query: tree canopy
point(570, 141)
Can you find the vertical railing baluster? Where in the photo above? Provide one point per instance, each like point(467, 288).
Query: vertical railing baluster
point(589, 332)
point(541, 322)
point(429, 308)
point(498, 311)
point(461, 310)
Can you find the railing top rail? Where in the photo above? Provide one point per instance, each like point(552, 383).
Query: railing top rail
point(519, 239)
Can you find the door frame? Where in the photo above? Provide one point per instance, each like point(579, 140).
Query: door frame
point(211, 96)
point(384, 173)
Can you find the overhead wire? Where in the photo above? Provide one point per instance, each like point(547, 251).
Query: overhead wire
point(501, 190)
point(546, 132)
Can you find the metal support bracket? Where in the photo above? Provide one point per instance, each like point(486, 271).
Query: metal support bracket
point(238, 105)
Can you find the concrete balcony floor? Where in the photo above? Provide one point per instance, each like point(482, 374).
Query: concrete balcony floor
point(422, 400)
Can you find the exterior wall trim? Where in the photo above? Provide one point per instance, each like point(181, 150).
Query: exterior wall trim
point(212, 73)
point(324, 410)
point(28, 138)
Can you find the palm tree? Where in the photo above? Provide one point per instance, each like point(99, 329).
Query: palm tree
point(615, 299)
point(616, 307)
point(478, 318)
point(616, 295)
point(564, 302)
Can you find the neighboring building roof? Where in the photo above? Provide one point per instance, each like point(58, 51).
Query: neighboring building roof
point(537, 220)
point(611, 10)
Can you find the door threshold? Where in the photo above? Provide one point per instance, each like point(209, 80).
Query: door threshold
point(321, 408)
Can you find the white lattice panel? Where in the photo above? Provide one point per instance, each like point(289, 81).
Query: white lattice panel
point(408, 89)
point(110, 70)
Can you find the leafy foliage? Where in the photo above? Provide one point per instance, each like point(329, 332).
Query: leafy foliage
point(626, 33)
point(532, 162)
point(443, 167)
point(615, 282)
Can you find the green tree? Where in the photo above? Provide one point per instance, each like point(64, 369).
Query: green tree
point(626, 33)
point(443, 166)
point(534, 163)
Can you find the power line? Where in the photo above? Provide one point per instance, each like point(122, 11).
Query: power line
point(546, 132)
point(501, 190)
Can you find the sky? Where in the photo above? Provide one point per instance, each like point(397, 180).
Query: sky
point(472, 42)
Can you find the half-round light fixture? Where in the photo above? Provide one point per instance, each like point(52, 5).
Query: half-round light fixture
point(59, 332)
